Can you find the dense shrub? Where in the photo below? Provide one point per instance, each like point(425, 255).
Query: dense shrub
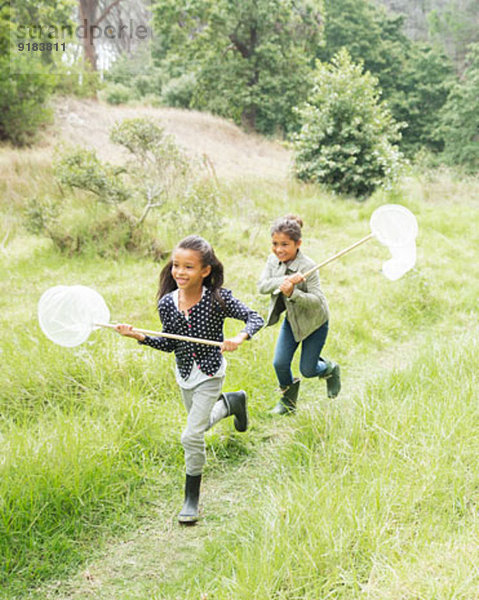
point(135, 73)
point(24, 91)
point(27, 79)
point(179, 90)
point(117, 93)
point(347, 137)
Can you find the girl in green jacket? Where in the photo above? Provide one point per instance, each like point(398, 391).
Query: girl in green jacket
point(307, 313)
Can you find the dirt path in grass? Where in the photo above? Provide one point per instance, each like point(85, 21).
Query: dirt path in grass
point(139, 565)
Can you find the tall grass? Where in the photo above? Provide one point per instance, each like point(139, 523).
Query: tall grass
point(368, 496)
point(379, 501)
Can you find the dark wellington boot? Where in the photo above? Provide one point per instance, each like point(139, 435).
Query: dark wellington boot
point(287, 403)
point(237, 405)
point(189, 513)
point(333, 379)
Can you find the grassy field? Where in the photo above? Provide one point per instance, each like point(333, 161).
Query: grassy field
point(373, 495)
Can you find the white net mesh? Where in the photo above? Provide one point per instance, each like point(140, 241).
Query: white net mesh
point(67, 314)
point(393, 225)
point(396, 227)
point(403, 260)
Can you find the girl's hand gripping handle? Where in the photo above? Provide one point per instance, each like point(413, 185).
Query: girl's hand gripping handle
point(232, 344)
point(287, 287)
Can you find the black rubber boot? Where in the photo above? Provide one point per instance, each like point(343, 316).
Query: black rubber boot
point(237, 405)
point(189, 513)
point(287, 403)
point(333, 379)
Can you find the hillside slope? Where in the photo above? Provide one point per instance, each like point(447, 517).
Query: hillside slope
point(233, 152)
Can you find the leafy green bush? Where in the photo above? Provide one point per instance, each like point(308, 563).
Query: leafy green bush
point(158, 170)
point(27, 80)
point(145, 139)
point(23, 99)
point(24, 87)
point(76, 79)
point(81, 168)
point(137, 72)
point(41, 213)
point(117, 93)
point(347, 138)
point(179, 90)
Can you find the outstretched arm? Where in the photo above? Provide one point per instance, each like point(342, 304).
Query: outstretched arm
point(236, 309)
point(162, 343)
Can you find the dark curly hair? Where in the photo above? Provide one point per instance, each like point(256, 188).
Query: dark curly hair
point(290, 225)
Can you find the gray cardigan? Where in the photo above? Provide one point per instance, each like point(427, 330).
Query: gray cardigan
point(306, 308)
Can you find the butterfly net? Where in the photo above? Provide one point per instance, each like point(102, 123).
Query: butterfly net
point(67, 314)
point(396, 227)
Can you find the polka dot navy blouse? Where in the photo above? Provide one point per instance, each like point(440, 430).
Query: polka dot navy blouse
point(205, 321)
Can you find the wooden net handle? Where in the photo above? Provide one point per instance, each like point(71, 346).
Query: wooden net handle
point(339, 254)
point(172, 336)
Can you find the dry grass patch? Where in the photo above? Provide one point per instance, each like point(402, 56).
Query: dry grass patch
point(232, 152)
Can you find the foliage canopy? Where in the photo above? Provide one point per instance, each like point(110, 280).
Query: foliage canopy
point(411, 76)
point(460, 117)
point(251, 59)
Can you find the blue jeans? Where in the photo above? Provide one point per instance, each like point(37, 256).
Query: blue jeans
point(311, 364)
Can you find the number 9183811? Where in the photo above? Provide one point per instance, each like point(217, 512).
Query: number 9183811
point(41, 46)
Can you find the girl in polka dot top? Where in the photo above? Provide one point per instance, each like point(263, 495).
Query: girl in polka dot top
point(193, 303)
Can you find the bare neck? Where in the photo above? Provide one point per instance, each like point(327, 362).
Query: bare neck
point(188, 298)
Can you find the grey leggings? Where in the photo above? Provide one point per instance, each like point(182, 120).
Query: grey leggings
point(205, 407)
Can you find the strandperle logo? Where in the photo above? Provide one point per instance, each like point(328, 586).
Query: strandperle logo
point(55, 45)
point(130, 30)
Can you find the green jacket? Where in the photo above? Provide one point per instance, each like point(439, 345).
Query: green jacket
point(306, 308)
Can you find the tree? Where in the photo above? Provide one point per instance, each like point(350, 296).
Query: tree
point(370, 35)
point(420, 94)
point(25, 84)
point(104, 22)
point(42, 14)
point(460, 117)
point(251, 59)
point(414, 78)
point(455, 28)
point(415, 14)
point(347, 138)
point(91, 15)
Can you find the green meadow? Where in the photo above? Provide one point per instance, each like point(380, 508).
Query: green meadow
point(372, 495)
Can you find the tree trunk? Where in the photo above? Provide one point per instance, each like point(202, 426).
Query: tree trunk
point(250, 113)
point(248, 118)
point(88, 10)
point(90, 29)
